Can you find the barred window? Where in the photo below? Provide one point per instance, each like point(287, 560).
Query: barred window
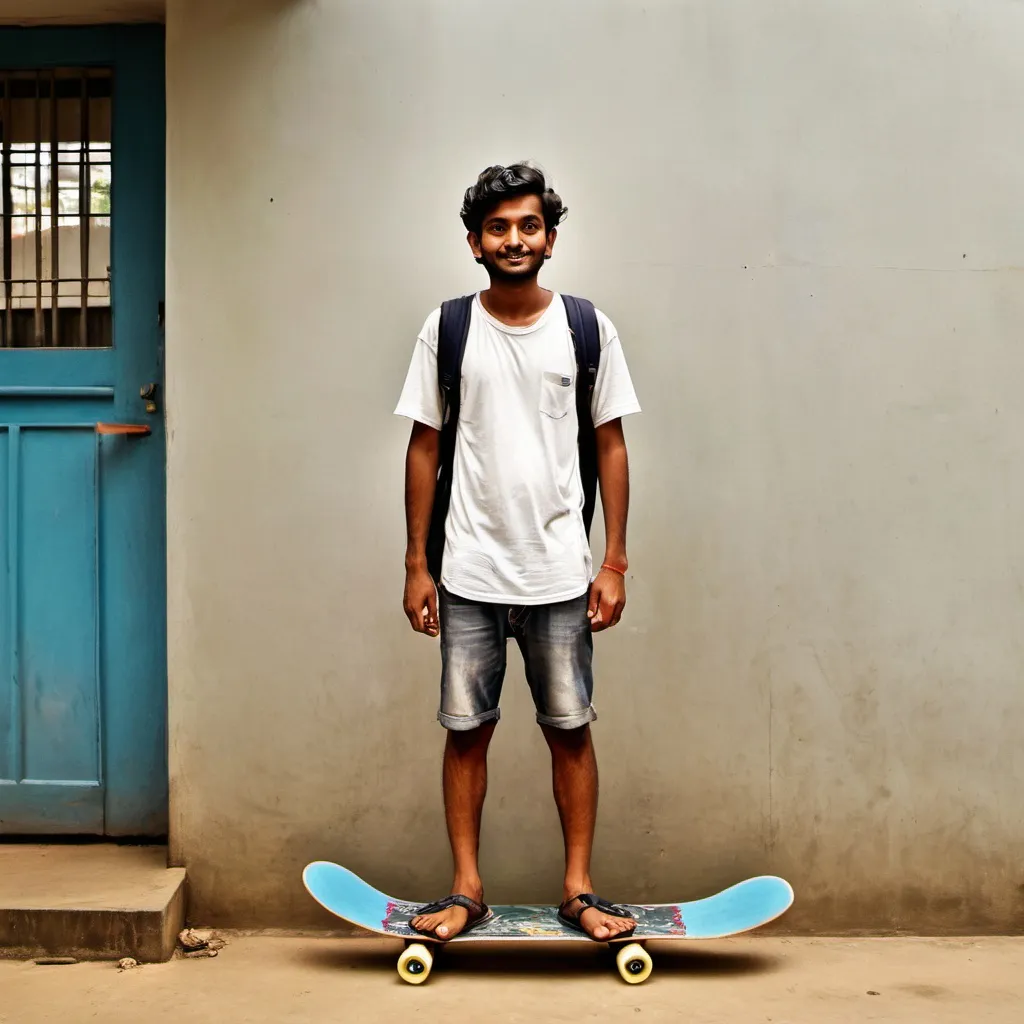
point(55, 199)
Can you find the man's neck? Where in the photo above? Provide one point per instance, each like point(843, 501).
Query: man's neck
point(515, 304)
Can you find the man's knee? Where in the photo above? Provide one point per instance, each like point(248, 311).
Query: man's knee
point(466, 741)
point(574, 739)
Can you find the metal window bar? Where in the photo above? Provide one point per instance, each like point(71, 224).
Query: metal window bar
point(84, 212)
point(40, 325)
point(8, 218)
point(54, 214)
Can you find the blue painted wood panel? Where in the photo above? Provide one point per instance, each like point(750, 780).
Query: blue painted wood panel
point(132, 471)
point(83, 678)
point(50, 699)
point(58, 505)
point(9, 766)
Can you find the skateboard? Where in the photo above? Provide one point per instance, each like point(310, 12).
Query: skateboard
point(740, 908)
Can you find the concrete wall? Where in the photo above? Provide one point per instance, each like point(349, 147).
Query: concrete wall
point(806, 220)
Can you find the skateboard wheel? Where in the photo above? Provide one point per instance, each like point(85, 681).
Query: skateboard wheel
point(414, 964)
point(634, 963)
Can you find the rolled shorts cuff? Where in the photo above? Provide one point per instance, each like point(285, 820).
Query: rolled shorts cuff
point(463, 723)
point(575, 721)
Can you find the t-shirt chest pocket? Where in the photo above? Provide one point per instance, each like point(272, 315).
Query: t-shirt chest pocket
point(556, 394)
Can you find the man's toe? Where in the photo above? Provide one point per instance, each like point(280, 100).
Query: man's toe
point(618, 925)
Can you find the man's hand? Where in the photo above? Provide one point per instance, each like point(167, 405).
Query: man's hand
point(607, 599)
point(421, 602)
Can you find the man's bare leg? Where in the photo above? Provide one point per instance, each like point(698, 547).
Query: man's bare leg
point(574, 775)
point(465, 786)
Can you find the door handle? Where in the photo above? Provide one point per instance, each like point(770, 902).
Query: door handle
point(125, 429)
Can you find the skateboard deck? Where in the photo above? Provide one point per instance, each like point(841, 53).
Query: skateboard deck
point(740, 908)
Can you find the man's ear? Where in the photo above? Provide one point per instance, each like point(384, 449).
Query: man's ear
point(552, 235)
point(474, 244)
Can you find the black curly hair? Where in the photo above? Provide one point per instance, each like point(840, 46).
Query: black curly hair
point(498, 183)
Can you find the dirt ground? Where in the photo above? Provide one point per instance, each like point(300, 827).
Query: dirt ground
point(777, 980)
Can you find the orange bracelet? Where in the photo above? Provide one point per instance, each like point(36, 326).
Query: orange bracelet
point(614, 568)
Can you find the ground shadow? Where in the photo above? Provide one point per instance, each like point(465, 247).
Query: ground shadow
point(536, 960)
point(341, 954)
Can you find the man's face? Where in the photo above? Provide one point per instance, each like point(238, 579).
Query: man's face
point(512, 241)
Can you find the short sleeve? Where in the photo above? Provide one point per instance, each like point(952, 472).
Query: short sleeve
point(421, 398)
point(613, 395)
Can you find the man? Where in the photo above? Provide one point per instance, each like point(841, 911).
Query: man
point(516, 558)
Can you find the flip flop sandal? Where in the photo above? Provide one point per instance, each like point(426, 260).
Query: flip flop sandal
point(478, 914)
point(587, 900)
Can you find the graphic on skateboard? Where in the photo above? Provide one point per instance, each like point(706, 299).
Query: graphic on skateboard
point(740, 908)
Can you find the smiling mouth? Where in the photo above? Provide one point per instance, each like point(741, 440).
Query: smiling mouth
point(518, 258)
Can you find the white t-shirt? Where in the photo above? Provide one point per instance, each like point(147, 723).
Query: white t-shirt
point(515, 531)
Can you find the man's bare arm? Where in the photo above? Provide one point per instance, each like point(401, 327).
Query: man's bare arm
point(421, 460)
point(608, 594)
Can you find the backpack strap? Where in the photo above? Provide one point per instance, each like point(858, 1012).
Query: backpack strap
point(586, 340)
point(452, 332)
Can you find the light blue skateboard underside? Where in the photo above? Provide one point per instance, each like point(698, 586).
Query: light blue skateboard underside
point(740, 908)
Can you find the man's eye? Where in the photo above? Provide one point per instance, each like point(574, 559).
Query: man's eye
point(495, 229)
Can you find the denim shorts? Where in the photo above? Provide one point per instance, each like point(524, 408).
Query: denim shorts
point(557, 648)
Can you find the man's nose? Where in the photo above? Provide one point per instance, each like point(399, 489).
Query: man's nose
point(513, 237)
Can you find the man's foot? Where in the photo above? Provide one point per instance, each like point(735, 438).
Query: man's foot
point(600, 920)
point(446, 923)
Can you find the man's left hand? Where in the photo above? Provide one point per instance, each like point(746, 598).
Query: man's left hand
point(607, 599)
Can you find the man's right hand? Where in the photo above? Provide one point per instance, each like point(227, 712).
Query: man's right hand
point(421, 602)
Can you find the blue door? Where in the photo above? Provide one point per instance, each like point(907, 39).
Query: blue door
point(82, 522)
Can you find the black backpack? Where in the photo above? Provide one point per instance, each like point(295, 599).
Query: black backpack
point(451, 347)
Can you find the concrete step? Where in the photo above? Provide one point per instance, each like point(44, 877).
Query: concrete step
point(92, 901)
